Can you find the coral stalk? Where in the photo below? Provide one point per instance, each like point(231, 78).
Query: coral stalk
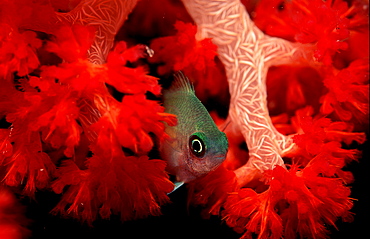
point(247, 53)
point(107, 16)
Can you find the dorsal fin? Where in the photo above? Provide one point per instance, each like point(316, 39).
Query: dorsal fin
point(181, 82)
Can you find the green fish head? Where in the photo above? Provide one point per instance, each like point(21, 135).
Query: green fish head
point(205, 152)
point(195, 155)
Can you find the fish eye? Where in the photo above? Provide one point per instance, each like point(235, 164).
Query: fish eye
point(197, 146)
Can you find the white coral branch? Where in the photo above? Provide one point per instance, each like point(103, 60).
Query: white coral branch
point(107, 16)
point(246, 53)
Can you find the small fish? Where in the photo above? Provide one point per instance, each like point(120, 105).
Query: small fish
point(196, 146)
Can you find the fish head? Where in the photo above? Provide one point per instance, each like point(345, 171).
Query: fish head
point(194, 155)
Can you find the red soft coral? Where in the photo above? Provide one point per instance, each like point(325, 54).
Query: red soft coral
point(265, 213)
point(294, 200)
point(195, 57)
point(17, 51)
point(297, 201)
point(112, 183)
point(348, 94)
point(316, 133)
point(183, 50)
point(72, 42)
point(324, 23)
point(27, 165)
point(213, 189)
point(47, 113)
point(129, 80)
point(132, 120)
point(18, 44)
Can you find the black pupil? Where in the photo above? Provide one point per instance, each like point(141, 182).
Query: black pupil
point(197, 146)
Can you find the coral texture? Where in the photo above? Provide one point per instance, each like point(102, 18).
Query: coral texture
point(67, 133)
point(288, 82)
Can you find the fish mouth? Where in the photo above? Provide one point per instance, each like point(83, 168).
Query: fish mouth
point(206, 165)
point(186, 175)
point(189, 169)
point(195, 169)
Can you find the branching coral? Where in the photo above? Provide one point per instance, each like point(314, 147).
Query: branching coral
point(247, 53)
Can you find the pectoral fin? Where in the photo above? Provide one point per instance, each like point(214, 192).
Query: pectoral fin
point(177, 185)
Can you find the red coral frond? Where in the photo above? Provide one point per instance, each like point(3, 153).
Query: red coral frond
point(132, 186)
point(314, 134)
point(324, 23)
point(45, 115)
point(317, 133)
point(17, 51)
point(59, 125)
point(213, 189)
point(250, 212)
point(342, 132)
point(348, 94)
point(129, 80)
point(297, 199)
point(72, 42)
point(300, 200)
point(28, 164)
point(121, 54)
point(183, 50)
point(132, 120)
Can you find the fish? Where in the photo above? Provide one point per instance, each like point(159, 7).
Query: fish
point(195, 145)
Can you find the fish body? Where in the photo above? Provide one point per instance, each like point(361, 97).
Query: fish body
point(196, 146)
